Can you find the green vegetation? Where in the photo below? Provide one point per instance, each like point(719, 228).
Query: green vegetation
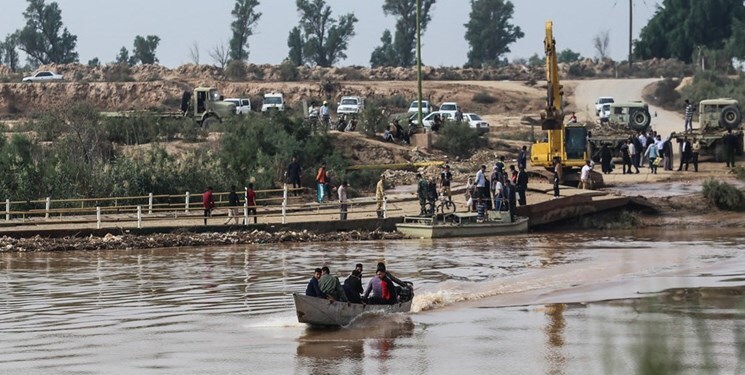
point(44, 38)
point(372, 120)
point(484, 97)
point(236, 70)
point(708, 85)
point(399, 50)
point(144, 49)
point(489, 32)
point(245, 18)
point(78, 154)
point(320, 39)
point(458, 139)
point(725, 196)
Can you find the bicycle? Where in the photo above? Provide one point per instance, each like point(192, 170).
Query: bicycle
point(442, 205)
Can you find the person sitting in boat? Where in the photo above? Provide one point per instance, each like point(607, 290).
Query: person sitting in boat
point(353, 287)
point(313, 289)
point(331, 286)
point(383, 288)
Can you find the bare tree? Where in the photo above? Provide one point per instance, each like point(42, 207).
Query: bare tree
point(194, 53)
point(220, 54)
point(601, 42)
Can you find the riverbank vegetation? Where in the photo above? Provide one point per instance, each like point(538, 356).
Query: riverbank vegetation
point(723, 195)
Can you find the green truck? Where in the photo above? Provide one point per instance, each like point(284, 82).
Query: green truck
point(623, 121)
point(716, 117)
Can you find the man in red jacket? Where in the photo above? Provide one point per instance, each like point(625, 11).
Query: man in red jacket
point(209, 203)
point(251, 201)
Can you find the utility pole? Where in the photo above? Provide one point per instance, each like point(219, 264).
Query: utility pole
point(631, 30)
point(419, 60)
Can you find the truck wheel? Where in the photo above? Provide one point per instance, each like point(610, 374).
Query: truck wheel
point(209, 122)
point(730, 117)
point(639, 119)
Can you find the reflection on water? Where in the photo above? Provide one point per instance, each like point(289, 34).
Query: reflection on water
point(229, 310)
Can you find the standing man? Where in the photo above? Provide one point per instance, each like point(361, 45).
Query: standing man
point(421, 192)
point(689, 109)
point(584, 177)
point(557, 176)
point(325, 116)
point(522, 158)
point(251, 202)
point(445, 178)
point(293, 174)
point(636, 152)
point(343, 206)
point(696, 149)
point(730, 143)
point(380, 196)
point(642, 150)
point(233, 203)
point(626, 156)
point(522, 185)
point(458, 115)
point(481, 185)
point(208, 201)
point(509, 189)
point(321, 182)
point(685, 153)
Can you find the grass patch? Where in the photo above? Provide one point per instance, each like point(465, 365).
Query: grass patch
point(459, 139)
point(723, 195)
point(484, 98)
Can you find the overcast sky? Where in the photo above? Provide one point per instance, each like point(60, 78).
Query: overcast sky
point(104, 26)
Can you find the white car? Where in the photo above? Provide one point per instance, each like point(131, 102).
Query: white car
point(599, 103)
point(476, 122)
point(43, 76)
point(242, 105)
point(450, 108)
point(429, 119)
point(350, 105)
point(273, 101)
point(604, 113)
point(414, 107)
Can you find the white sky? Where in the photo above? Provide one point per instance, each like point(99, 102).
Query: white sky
point(104, 26)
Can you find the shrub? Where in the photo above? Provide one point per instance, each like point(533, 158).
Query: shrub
point(391, 103)
point(117, 73)
point(236, 70)
point(459, 139)
point(484, 98)
point(288, 72)
point(372, 120)
point(725, 196)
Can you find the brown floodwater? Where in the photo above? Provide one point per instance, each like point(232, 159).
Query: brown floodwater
point(566, 303)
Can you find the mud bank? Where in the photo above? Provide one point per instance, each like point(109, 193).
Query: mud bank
point(182, 239)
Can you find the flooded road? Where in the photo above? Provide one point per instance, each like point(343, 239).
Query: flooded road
point(528, 303)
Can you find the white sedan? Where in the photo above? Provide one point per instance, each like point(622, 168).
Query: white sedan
point(43, 76)
point(476, 122)
point(429, 119)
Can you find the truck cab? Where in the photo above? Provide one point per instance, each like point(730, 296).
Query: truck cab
point(273, 101)
point(206, 105)
point(350, 105)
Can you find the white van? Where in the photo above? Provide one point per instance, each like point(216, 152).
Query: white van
point(242, 105)
point(274, 101)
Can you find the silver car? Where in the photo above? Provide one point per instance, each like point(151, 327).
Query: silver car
point(43, 76)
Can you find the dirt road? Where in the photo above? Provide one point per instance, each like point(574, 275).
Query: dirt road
point(622, 90)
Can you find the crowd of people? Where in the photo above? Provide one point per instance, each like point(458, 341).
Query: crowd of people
point(383, 288)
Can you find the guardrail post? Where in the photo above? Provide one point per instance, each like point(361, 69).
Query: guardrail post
point(98, 217)
point(284, 205)
point(48, 206)
point(139, 217)
point(150, 203)
point(385, 207)
point(187, 202)
point(7, 210)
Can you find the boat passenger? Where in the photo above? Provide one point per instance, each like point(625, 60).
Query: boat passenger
point(331, 286)
point(313, 289)
point(353, 287)
point(382, 287)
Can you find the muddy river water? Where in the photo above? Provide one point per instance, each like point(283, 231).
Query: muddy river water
point(534, 304)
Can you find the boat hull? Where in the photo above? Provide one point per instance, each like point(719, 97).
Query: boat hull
point(422, 230)
point(323, 312)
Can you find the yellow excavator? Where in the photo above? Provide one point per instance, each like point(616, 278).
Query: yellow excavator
point(566, 143)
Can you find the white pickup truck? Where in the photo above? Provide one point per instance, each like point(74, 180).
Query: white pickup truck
point(273, 101)
point(350, 105)
point(242, 105)
point(600, 102)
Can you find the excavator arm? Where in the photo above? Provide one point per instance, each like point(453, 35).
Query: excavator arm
point(553, 117)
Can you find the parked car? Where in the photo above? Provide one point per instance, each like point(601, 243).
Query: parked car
point(350, 105)
point(476, 122)
point(242, 105)
point(426, 107)
point(274, 101)
point(450, 108)
point(604, 113)
point(43, 76)
point(429, 119)
point(599, 103)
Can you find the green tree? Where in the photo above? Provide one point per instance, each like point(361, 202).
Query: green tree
point(295, 42)
point(567, 56)
point(44, 39)
point(489, 31)
point(9, 51)
point(94, 62)
point(400, 50)
point(736, 43)
point(325, 38)
point(679, 27)
point(385, 55)
point(246, 17)
point(144, 49)
point(123, 57)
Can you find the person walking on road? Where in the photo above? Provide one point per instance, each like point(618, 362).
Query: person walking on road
point(685, 154)
point(626, 156)
point(251, 202)
point(233, 202)
point(208, 201)
point(321, 182)
point(380, 196)
point(343, 206)
point(293, 173)
point(689, 109)
point(730, 143)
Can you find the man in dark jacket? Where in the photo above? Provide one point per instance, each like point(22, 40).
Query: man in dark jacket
point(522, 186)
point(353, 287)
point(294, 171)
point(422, 187)
point(730, 144)
point(685, 153)
point(511, 194)
point(313, 289)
